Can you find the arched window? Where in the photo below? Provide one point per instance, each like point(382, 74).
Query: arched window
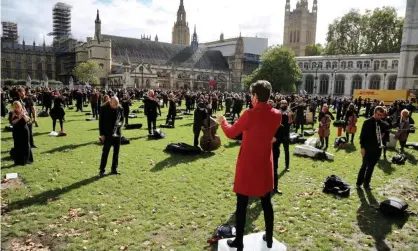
point(376, 65)
point(339, 84)
point(356, 83)
point(320, 65)
point(323, 84)
point(328, 65)
point(300, 65)
point(375, 83)
point(385, 64)
point(415, 72)
point(314, 65)
point(392, 82)
point(366, 64)
point(148, 83)
point(291, 37)
point(334, 65)
point(394, 64)
point(309, 83)
point(350, 64)
point(343, 64)
point(306, 66)
point(359, 65)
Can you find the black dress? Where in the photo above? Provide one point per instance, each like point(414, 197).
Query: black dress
point(57, 112)
point(22, 153)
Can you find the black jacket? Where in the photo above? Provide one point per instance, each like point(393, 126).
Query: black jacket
point(198, 120)
point(172, 107)
point(284, 128)
point(107, 119)
point(368, 135)
point(150, 107)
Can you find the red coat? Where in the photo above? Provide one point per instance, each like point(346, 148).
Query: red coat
point(254, 170)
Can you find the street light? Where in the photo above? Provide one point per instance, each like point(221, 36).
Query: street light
point(333, 75)
point(384, 80)
point(141, 68)
point(136, 79)
point(316, 78)
point(230, 78)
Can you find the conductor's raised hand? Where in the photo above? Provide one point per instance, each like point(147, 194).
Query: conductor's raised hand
point(220, 119)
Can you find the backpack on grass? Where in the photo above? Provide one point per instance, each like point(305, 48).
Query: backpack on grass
point(335, 185)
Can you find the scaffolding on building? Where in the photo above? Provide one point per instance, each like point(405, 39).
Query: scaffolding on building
point(9, 31)
point(61, 24)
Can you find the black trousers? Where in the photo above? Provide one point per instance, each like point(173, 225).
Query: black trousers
point(172, 116)
point(110, 141)
point(30, 135)
point(276, 156)
point(153, 121)
point(94, 110)
point(196, 139)
point(367, 167)
point(241, 213)
point(299, 124)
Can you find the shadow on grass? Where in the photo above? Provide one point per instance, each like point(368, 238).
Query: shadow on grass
point(175, 159)
point(411, 158)
point(34, 135)
point(372, 222)
point(187, 124)
point(69, 147)
point(42, 198)
point(385, 166)
point(232, 144)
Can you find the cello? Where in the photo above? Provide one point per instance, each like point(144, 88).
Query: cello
point(210, 141)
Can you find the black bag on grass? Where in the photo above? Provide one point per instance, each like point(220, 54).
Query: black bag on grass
point(124, 141)
point(335, 185)
point(221, 232)
point(182, 148)
point(393, 207)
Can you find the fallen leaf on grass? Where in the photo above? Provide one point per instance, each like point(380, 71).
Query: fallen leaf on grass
point(123, 248)
point(282, 229)
point(52, 199)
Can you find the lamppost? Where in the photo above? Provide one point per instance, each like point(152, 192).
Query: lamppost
point(141, 68)
point(333, 75)
point(316, 78)
point(136, 79)
point(384, 80)
point(230, 78)
point(365, 80)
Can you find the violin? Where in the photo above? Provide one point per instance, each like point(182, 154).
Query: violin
point(210, 141)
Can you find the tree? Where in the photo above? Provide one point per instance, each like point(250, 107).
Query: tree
point(379, 31)
point(279, 67)
point(313, 50)
point(88, 72)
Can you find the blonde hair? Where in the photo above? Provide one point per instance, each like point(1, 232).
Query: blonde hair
point(17, 104)
point(405, 113)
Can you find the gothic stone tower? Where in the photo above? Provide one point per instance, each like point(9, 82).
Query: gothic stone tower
point(299, 26)
point(181, 32)
point(238, 64)
point(408, 63)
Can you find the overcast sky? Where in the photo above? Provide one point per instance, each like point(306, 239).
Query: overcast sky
point(264, 18)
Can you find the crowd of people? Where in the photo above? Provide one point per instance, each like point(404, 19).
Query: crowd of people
point(261, 128)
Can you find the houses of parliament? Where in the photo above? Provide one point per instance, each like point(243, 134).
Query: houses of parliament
point(186, 63)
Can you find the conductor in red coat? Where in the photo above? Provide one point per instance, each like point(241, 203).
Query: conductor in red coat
point(254, 169)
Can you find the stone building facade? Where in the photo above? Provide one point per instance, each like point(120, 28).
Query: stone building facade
point(340, 75)
point(181, 31)
point(300, 26)
point(18, 61)
point(142, 63)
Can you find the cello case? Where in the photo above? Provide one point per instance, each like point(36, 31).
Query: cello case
point(210, 141)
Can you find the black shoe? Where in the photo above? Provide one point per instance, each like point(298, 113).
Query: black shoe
point(114, 173)
point(269, 243)
point(33, 146)
point(368, 188)
point(101, 174)
point(233, 244)
point(287, 169)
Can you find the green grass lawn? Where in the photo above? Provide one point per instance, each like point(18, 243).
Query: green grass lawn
point(169, 202)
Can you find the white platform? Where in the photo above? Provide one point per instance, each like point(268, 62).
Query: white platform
point(253, 242)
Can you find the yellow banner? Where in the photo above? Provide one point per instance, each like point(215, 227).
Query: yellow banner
point(387, 96)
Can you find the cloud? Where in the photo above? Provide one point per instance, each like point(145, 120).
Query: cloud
point(132, 18)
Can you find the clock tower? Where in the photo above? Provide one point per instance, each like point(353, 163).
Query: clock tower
point(300, 26)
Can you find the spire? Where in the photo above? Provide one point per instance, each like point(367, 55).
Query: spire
point(34, 44)
point(181, 13)
point(315, 6)
point(181, 3)
point(221, 37)
point(287, 8)
point(127, 61)
point(43, 44)
point(23, 43)
point(97, 17)
point(156, 38)
point(195, 43)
